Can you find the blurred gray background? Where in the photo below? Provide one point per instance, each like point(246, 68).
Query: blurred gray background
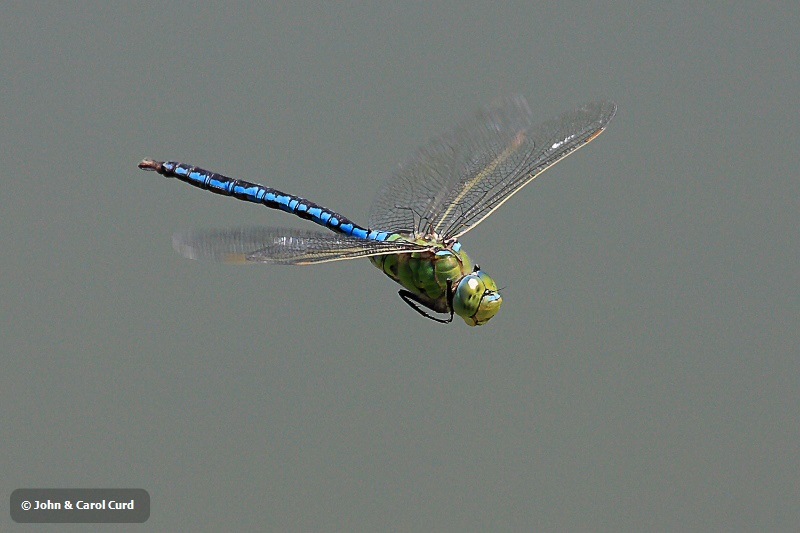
point(642, 374)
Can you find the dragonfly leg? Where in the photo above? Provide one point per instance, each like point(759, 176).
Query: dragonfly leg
point(412, 300)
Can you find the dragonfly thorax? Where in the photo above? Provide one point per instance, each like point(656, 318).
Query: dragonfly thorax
point(444, 280)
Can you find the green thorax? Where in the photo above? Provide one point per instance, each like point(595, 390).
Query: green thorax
point(425, 274)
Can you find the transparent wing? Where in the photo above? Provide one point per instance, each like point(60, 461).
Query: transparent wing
point(457, 180)
point(280, 246)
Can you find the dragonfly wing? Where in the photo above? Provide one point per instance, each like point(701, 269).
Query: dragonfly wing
point(281, 246)
point(457, 180)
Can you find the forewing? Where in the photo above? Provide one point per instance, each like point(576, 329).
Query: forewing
point(281, 246)
point(457, 180)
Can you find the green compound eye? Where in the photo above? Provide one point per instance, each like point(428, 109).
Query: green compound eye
point(476, 299)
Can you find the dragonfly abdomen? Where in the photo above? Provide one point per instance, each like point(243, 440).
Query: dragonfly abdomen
point(253, 192)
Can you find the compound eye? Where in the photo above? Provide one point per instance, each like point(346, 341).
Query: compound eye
point(468, 295)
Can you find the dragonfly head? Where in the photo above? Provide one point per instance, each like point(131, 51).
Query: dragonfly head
point(476, 298)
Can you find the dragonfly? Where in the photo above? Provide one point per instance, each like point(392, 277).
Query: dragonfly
point(449, 186)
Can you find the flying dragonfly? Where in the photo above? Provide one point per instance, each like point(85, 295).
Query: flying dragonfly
point(447, 188)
